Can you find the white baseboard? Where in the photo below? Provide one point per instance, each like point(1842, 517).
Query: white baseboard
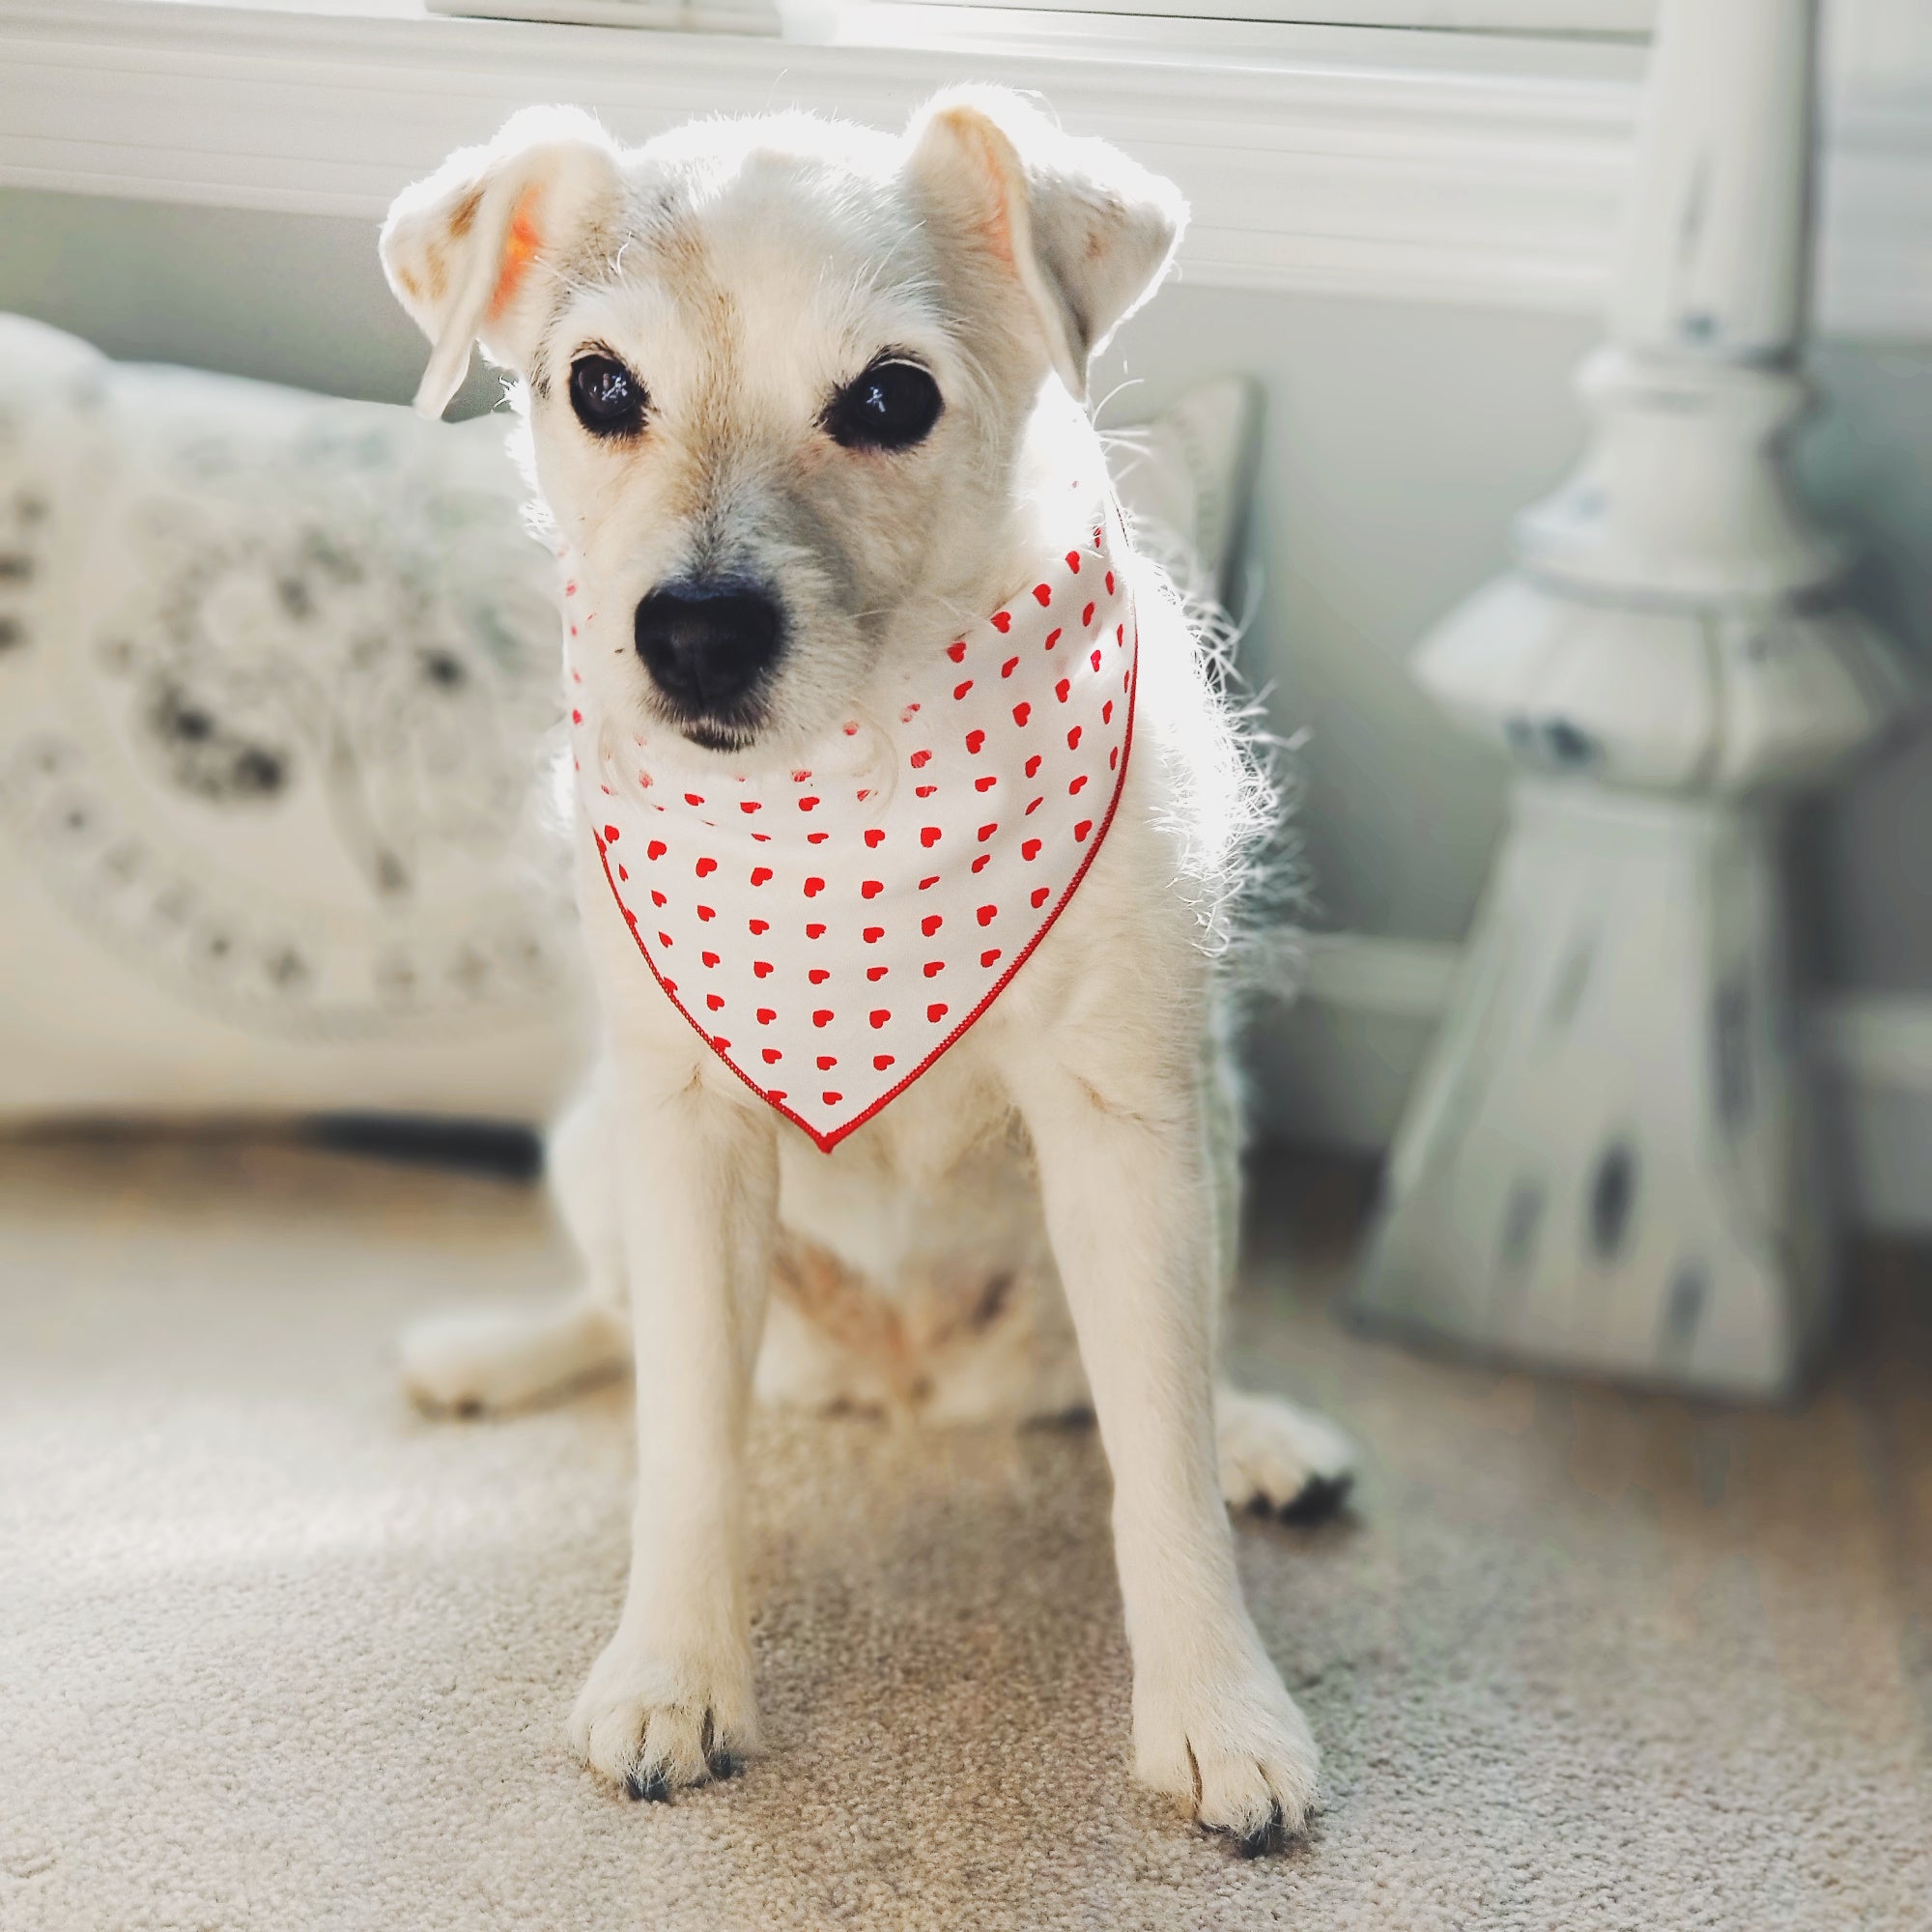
point(1873, 1052)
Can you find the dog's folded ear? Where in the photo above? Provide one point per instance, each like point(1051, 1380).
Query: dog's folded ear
point(1087, 232)
point(471, 251)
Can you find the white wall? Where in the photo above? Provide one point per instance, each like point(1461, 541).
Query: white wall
point(1399, 437)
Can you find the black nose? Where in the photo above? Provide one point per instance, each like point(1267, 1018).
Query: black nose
point(707, 644)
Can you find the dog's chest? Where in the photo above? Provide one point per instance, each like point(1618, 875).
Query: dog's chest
point(936, 1193)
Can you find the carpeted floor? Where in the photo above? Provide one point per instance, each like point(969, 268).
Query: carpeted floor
point(275, 1653)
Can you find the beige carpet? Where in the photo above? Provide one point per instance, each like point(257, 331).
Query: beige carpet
point(275, 1653)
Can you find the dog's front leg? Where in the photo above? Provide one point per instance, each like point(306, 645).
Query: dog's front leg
point(1122, 1146)
point(670, 1701)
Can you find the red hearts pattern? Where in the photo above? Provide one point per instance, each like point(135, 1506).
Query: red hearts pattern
point(966, 731)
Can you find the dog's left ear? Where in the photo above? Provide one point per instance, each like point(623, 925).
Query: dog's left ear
point(1087, 233)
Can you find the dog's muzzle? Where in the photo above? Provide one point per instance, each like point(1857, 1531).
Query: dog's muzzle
point(708, 647)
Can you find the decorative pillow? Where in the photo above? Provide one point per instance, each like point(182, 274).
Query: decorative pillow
point(276, 672)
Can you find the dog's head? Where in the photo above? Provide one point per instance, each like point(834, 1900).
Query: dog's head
point(779, 375)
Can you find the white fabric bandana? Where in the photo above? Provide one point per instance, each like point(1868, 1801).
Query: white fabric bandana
point(830, 931)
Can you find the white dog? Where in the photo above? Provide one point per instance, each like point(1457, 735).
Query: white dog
point(845, 596)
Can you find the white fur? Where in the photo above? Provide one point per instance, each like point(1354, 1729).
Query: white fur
point(1045, 1219)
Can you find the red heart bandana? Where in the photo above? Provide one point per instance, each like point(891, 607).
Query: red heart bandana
point(832, 929)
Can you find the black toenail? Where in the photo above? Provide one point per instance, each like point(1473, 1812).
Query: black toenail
point(651, 1786)
point(1320, 1498)
point(1268, 1838)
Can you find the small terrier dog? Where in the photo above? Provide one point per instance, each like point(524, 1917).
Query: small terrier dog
point(805, 404)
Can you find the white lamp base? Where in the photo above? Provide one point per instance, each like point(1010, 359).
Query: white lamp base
point(1605, 1162)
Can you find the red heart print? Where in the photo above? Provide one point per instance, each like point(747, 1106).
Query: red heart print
point(808, 804)
point(831, 1098)
point(956, 650)
point(760, 874)
point(1110, 584)
point(1002, 621)
point(1107, 712)
point(759, 925)
point(773, 1055)
point(656, 849)
point(1081, 829)
point(876, 973)
point(658, 898)
point(1022, 713)
point(882, 1061)
point(875, 835)
point(980, 864)
point(706, 866)
point(873, 935)
point(870, 888)
point(1033, 766)
point(933, 968)
point(1061, 689)
point(623, 873)
point(1030, 850)
point(819, 974)
point(1087, 615)
point(800, 777)
point(1010, 666)
point(925, 792)
point(767, 1015)
point(1096, 660)
point(611, 834)
point(987, 958)
point(920, 759)
point(762, 968)
point(1073, 739)
point(750, 805)
point(987, 783)
point(822, 1017)
point(774, 1093)
point(813, 887)
point(714, 1001)
point(988, 913)
point(664, 939)
point(1076, 784)
point(816, 838)
point(974, 740)
point(706, 913)
point(1040, 898)
point(1042, 595)
point(932, 924)
point(878, 1016)
point(936, 1011)
point(827, 1061)
point(959, 691)
point(814, 932)
point(987, 831)
point(1073, 561)
point(1052, 639)
point(927, 885)
point(709, 958)
point(692, 798)
point(1033, 807)
point(928, 835)
point(1113, 757)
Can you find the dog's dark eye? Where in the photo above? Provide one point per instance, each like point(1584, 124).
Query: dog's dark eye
point(609, 399)
point(891, 406)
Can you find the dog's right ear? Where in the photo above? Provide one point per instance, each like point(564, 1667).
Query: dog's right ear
point(470, 251)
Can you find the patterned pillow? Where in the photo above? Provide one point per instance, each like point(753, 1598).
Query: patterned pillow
point(276, 674)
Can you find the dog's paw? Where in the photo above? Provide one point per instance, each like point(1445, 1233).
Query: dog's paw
point(1278, 1458)
point(1239, 1753)
point(652, 1726)
point(478, 1361)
